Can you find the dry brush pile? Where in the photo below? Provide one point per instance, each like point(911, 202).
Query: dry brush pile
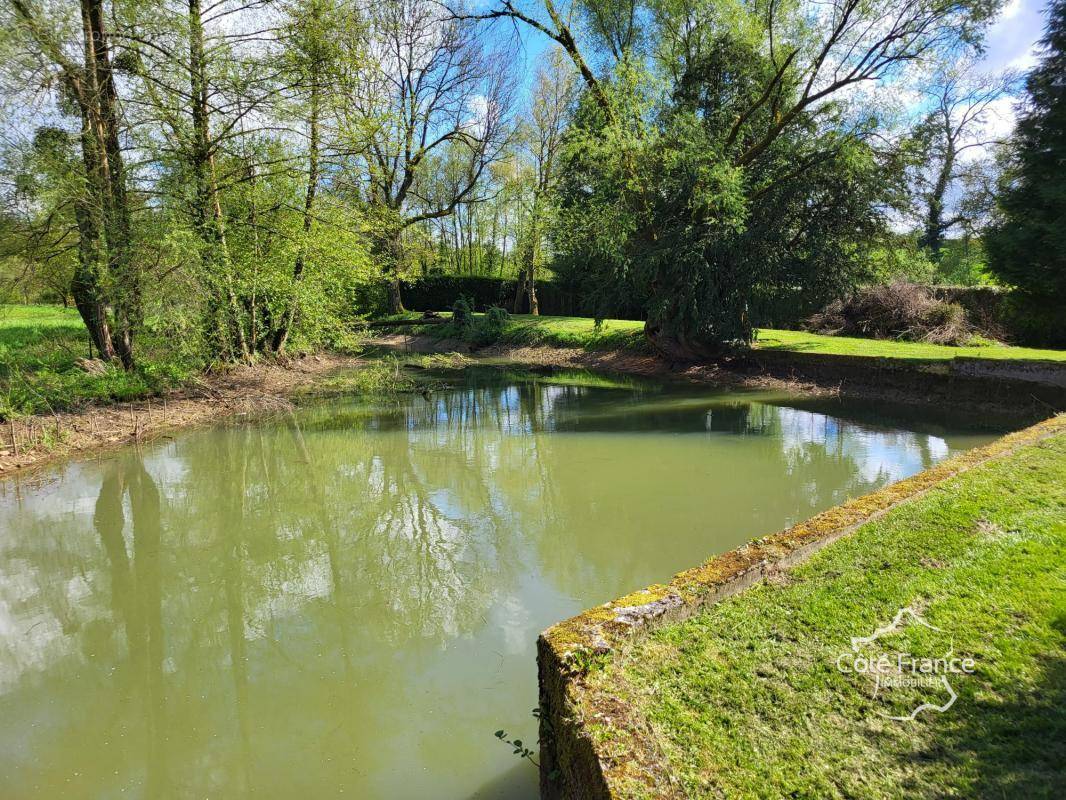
point(898, 310)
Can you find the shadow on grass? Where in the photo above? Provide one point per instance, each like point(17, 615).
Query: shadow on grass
point(1017, 744)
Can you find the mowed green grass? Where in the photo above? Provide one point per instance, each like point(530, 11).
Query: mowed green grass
point(582, 332)
point(803, 342)
point(39, 349)
point(746, 700)
point(42, 336)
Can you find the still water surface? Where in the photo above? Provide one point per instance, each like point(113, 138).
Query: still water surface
point(344, 602)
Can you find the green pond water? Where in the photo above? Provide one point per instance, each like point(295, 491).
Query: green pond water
point(344, 601)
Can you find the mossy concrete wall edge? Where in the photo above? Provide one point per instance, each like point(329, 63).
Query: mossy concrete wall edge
point(570, 767)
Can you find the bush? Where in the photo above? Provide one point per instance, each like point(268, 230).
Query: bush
point(463, 312)
point(1034, 321)
point(899, 310)
point(490, 327)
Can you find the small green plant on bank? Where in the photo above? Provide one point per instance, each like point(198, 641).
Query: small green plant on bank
point(488, 328)
point(520, 749)
point(443, 361)
point(585, 661)
point(378, 378)
point(462, 312)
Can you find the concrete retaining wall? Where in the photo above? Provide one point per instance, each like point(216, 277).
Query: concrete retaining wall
point(1027, 389)
point(570, 764)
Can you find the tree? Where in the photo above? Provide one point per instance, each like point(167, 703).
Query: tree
point(39, 233)
point(962, 102)
point(106, 284)
point(430, 86)
point(555, 92)
point(756, 173)
point(1027, 245)
point(315, 59)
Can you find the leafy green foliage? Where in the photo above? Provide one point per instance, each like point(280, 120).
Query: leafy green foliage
point(656, 201)
point(462, 312)
point(380, 377)
point(39, 350)
point(519, 749)
point(1027, 248)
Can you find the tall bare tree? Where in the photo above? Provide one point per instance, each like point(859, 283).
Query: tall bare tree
point(555, 92)
point(963, 102)
point(430, 89)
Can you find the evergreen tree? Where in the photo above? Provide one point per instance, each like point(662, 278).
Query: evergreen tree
point(1027, 248)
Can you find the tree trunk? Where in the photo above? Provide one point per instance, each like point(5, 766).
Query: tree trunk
point(531, 269)
point(88, 209)
point(282, 336)
point(395, 298)
point(209, 218)
point(933, 235)
point(395, 246)
point(680, 347)
point(116, 202)
point(521, 293)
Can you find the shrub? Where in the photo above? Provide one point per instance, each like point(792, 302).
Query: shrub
point(899, 310)
point(490, 327)
point(462, 312)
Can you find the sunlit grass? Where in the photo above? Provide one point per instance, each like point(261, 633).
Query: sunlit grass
point(803, 342)
point(745, 700)
point(39, 349)
point(582, 332)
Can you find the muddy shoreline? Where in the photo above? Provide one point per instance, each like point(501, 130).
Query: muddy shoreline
point(1002, 402)
point(36, 441)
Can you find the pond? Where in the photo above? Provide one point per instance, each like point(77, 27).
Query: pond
point(345, 600)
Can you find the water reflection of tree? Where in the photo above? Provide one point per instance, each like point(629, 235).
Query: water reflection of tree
point(304, 563)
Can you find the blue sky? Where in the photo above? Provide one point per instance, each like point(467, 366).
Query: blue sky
point(1012, 40)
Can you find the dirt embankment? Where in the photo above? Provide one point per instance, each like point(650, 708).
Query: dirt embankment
point(244, 390)
point(1002, 396)
point(623, 361)
point(247, 390)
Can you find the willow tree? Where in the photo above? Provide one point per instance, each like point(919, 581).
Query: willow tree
point(722, 151)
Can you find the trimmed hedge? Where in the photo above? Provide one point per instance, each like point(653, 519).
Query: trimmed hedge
point(555, 298)
point(1002, 313)
point(439, 292)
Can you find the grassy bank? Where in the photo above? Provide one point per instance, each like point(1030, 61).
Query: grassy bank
point(803, 342)
point(746, 699)
point(39, 350)
point(582, 332)
point(523, 329)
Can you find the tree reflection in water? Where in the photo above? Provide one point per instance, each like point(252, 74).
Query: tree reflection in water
point(347, 598)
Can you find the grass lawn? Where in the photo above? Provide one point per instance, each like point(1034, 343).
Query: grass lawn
point(39, 346)
point(629, 335)
point(523, 329)
point(746, 699)
point(803, 342)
